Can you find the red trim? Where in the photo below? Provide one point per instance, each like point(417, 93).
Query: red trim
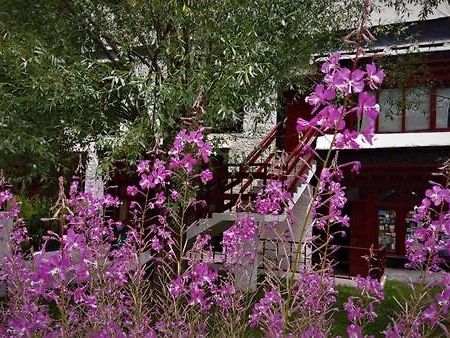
point(265, 143)
point(433, 108)
point(378, 117)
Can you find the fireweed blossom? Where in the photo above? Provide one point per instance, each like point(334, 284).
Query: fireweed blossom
point(341, 82)
point(272, 199)
point(375, 76)
point(153, 282)
point(267, 313)
point(361, 310)
point(50, 277)
point(239, 241)
point(430, 241)
point(95, 281)
point(312, 299)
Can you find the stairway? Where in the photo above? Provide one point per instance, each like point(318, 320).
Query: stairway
point(245, 180)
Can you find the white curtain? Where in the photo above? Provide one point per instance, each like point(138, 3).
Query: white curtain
point(443, 108)
point(417, 109)
point(390, 118)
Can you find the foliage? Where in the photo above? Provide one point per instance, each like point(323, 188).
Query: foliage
point(146, 279)
point(33, 210)
point(49, 91)
point(404, 6)
point(122, 73)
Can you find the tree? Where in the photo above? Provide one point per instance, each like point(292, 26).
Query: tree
point(49, 90)
point(123, 74)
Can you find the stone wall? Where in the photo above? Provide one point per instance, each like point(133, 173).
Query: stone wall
point(5, 232)
point(254, 130)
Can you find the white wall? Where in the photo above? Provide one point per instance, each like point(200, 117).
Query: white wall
point(93, 181)
point(383, 15)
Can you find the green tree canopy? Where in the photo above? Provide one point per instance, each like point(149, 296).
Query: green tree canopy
point(122, 73)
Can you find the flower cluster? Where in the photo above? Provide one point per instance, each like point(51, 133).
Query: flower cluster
point(86, 269)
point(431, 238)
point(330, 199)
point(8, 210)
point(267, 313)
point(272, 199)
point(239, 241)
point(332, 102)
point(361, 310)
point(189, 150)
point(187, 160)
point(312, 299)
point(194, 285)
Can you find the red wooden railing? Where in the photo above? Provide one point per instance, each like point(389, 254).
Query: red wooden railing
point(240, 185)
point(255, 154)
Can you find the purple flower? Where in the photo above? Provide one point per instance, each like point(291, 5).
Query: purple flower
point(80, 296)
point(223, 295)
point(160, 198)
point(146, 182)
point(156, 244)
point(197, 296)
point(111, 201)
point(354, 331)
point(205, 150)
point(174, 195)
point(272, 198)
point(132, 190)
point(5, 196)
point(355, 312)
point(438, 195)
point(431, 315)
point(349, 82)
point(73, 241)
point(374, 76)
point(443, 300)
point(266, 312)
point(187, 162)
point(356, 167)
point(206, 176)
point(239, 240)
point(143, 166)
point(312, 332)
point(203, 274)
point(19, 235)
point(367, 106)
point(302, 125)
point(331, 64)
point(370, 286)
point(194, 138)
point(176, 287)
point(320, 96)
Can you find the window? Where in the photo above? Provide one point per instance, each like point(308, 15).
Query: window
point(442, 108)
point(386, 228)
point(417, 107)
point(413, 109)
point(390, 118)
point(411, 225)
